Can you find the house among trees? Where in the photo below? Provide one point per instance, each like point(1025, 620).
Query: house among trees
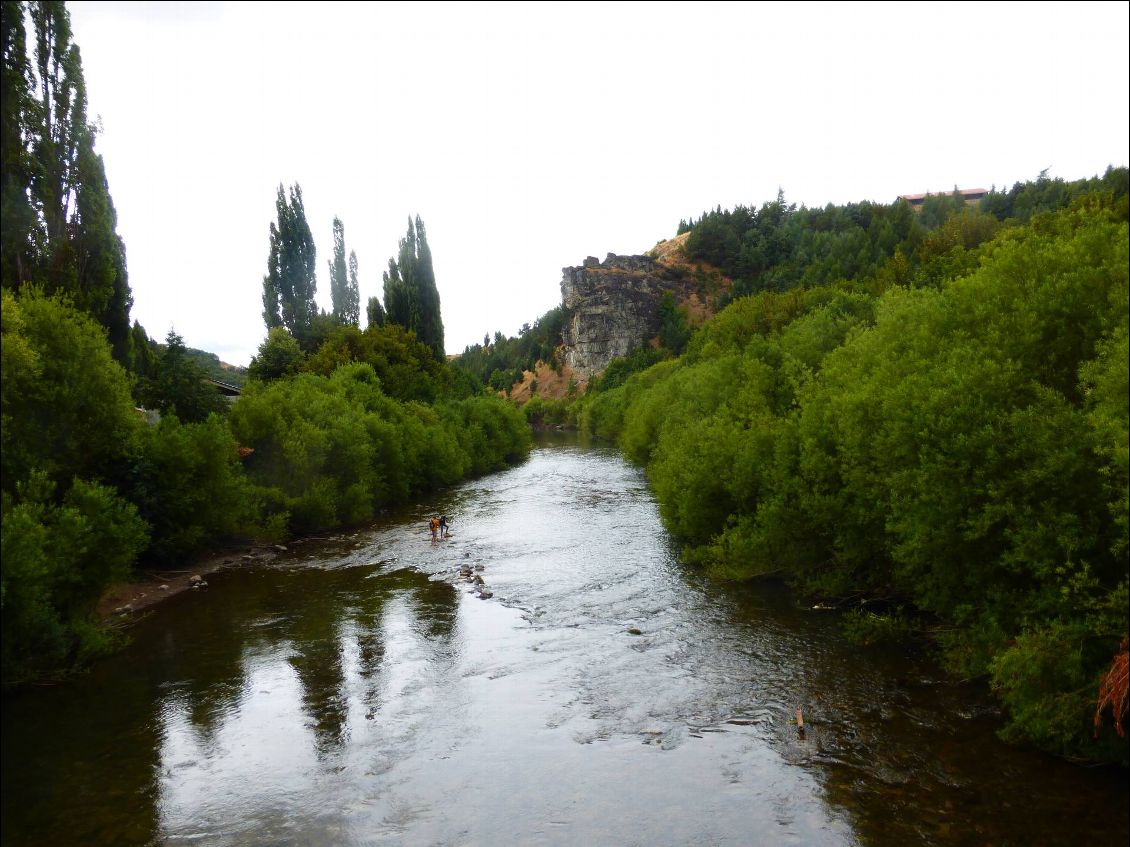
point(971, 196)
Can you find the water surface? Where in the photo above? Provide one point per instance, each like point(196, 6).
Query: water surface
point(352, 691)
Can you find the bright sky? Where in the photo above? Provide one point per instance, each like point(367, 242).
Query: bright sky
point(529, 136)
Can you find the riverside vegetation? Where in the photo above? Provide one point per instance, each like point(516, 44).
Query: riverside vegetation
point(928, 411)
point(924, 409)
point(334, 423)
point(919, 418)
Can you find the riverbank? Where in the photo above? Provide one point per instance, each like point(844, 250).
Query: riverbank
point(123, 602)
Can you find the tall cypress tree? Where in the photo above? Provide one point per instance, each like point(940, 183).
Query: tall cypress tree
point(59, 224)
point(291, 281)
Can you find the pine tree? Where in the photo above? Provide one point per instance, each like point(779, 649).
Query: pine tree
point(291, 281)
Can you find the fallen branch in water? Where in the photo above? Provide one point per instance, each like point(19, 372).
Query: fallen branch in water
point(1113, 690)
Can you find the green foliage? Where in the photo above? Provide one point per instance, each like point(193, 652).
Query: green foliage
point(179, 386)
point(869, 628)
point(548, 412)
point(410, 293)
point(189, 487)
point(58, 221)
point(779, 247)
point(330, 451)
point(1047, 679)
point(58, 555)
point(344, 292)
point(290, 283)
point(374, 312)
point(501, 363)
point(674, 332)
point(1106, 381)
point(279, 356)
point(66, 407)
point(619, 369)
point(405, 367)
point(948, 427)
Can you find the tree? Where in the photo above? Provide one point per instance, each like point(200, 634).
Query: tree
point(180, 387)
point(430, 331)
point(65, 403)
point(291, 282)
point(411, 296)
point(279, 356)
point(352, 310)
point(67, 427)
point(398, 307)
point(59, 223)
point(375, 312)
point(343, 289)
point(20, 234)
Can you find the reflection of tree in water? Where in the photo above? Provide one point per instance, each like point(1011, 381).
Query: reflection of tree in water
point(316, 632)
point(204, 654)
point(435, 607)
point(340, 604)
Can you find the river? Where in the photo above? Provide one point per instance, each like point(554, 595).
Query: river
point(353, 691)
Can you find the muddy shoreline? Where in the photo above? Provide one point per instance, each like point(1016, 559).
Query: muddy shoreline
point(124, 602)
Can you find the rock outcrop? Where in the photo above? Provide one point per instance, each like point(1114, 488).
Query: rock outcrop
point(613, 307)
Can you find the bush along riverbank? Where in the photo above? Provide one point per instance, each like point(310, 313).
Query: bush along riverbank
point(91, 491)
point(948, 430)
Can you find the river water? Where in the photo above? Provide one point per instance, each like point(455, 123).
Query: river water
point(354, 692)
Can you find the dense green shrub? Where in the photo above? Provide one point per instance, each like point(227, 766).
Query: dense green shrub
point(188, 485)
point(58, 556)
point(331, 451)
point(958, 442)
point(68, 427)
point(65, 403)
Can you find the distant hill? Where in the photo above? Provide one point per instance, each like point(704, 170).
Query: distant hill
point(211, 365)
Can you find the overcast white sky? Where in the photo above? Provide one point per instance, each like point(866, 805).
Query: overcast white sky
point(529, 136)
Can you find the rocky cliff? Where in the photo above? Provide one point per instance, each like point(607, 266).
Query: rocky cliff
point(613, 307)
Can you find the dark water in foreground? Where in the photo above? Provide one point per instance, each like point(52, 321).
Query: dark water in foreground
point(349, 693)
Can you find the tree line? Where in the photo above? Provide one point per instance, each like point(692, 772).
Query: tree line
point(334, 423)
point(923, 422)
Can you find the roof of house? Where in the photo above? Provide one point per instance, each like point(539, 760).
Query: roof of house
point(964, 192)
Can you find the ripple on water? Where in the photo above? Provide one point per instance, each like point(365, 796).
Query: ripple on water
point(350, 693)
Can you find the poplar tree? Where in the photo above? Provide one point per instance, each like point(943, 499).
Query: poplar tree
point(430, 330)
point(374, 312)
point(351, 310)
point(338, 281)
point(59, 223)
point(291, 280)
point(411, 296)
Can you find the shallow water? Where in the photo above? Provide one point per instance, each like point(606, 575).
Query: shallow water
point(354, 692)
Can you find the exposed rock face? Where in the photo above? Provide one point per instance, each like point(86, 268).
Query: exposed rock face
point(614, 307)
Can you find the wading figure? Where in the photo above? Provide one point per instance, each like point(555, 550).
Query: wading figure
point(434, 525)
point(443, 525)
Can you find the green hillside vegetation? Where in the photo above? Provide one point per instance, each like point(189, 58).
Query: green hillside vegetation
point(334, 423)
point(933, 413)
point(499, 363)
